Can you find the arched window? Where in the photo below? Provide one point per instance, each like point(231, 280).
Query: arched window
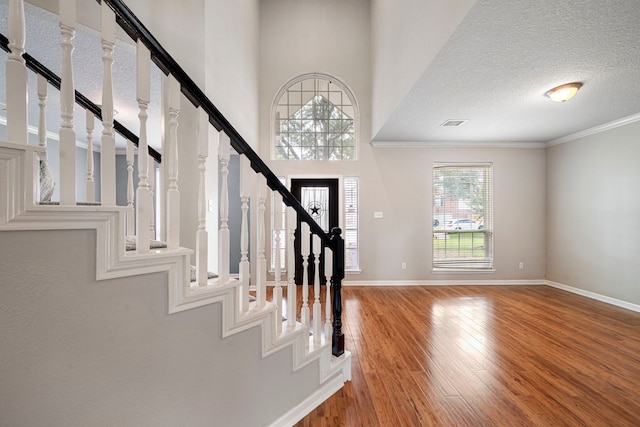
point(315, 118)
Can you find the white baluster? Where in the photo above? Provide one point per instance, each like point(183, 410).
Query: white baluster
point(42, 127)
point(244, 267)
point(42, 118)
point(291, 268)
point(143, 192)
point(328, 272)
point(152, 189)
point(202, 237)
point(261, 262)
point(91, 187)
point(108, 141)
point(171, 157)
point(67, 103)
point(131, 230)
point(224, 239)
point(16, 78)
point(277, 228)
point(305, 249)
point(317, 308)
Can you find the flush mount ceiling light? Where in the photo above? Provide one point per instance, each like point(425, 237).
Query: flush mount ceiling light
point(564, 92)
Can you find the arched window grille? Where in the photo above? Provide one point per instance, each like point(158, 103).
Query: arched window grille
point(315, 118)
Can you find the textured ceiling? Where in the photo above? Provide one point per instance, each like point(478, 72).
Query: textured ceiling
point(497, 66)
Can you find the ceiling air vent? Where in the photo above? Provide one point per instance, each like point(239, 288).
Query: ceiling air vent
point(452, 123)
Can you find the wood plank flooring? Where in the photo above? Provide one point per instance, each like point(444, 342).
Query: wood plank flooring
point(485, 356)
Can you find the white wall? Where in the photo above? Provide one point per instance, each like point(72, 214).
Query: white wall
point(406, 35)
point(593, 211)
point(231, 62)
point(331, 37)
point(77, 352)
point(216, 42)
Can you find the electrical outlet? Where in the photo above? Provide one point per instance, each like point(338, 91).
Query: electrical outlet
point(521, 265)
point(404, 266)
point(378, 215)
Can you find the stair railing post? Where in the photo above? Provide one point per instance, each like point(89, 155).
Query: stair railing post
point(261, 262)
point(67, 16)
point(42, 107)
point(42, 130)
point(152, 191)
point(305, 249)
point(291, 268)
point(171, 159)
point(89, 124)
point(143, 192)
point(328, 272)
point(224, 237)
point(246, 179)
point(277, 229)
point(337, 345)
point(202, 237)
point(317, 307)
point(16, 77)
point(108, 141)
point(131, 228)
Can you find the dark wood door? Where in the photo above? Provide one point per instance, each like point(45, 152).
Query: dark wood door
point(320, 198)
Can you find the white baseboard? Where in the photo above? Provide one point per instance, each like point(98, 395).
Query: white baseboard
point(578, 291)
point(441, 282)
point(595, 296)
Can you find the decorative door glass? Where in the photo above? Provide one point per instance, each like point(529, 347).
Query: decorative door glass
point(316, 201)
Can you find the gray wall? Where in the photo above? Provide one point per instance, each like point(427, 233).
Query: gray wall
point(395, 181)
point(235, 213)
point(593, 213)
point(122, 176)
point(76, 352)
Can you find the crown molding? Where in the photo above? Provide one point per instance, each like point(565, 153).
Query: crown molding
point(595, 130)
point(457, 144)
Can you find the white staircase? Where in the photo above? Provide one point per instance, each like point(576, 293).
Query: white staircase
point(311, 345)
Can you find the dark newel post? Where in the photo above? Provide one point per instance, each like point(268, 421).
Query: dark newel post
point(336, 288)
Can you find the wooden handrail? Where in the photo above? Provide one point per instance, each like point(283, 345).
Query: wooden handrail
point(53, 79)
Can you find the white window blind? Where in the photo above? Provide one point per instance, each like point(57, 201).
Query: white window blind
point(462, 216)
point(351, 255)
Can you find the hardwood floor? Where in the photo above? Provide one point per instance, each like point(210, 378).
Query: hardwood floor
point(485, 356)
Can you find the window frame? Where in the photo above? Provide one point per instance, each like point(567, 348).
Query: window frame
point(345, 89)
point(342, 213)
point(439, 200)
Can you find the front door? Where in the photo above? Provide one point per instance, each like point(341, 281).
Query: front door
point(320, 199)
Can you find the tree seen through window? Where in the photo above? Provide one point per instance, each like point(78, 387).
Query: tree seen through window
point(314, 121)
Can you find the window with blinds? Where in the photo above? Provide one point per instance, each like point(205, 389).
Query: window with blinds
point(462, 216)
